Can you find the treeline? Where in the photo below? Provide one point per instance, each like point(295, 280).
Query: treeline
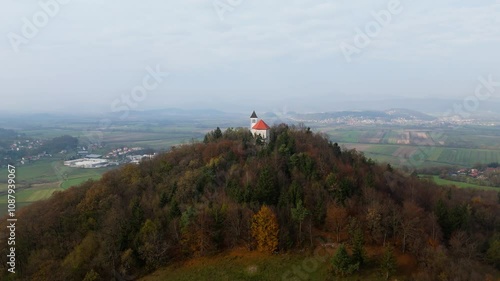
point(59, 144)
point(232, 191)
point(485, 177)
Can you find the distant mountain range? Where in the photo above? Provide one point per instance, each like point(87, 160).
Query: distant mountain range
point(240, 118)
point(386, 115)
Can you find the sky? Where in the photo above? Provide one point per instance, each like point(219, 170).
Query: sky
point(302, 55)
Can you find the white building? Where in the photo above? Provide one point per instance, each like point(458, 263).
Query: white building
point(259, 127)
point(87, 163)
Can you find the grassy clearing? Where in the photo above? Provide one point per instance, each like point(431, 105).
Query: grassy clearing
point(242, 265)
point(49, 170)
point(39, 180)
point(26, 196)
point(446, 182)
point(76, 181)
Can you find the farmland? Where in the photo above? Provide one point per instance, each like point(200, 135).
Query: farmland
point(422, 147)
point(37, 181)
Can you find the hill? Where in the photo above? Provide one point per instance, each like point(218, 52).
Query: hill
point(388, 116)
point(296, 196)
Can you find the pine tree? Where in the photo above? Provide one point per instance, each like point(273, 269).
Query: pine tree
point(388, 264)
point(357, 241)
point(299, 214)
point(342, 263)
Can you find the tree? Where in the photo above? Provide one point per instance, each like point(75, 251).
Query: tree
point(174, 210)
point(357, 241)
point(342, 263)
point(152, 248)
point(91, 276)
point(493, 252)
point(336, 150)
point(388, 264)
point(217, 133)
point(374, 222)
point(267, 191)
point(265, 230)
point(299, 214)
point(339, 219)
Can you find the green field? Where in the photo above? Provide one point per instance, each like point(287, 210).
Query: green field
point(446, 182)
point(38, 180)
point(49, 170)
point(463, 137)
point(26, 196)
point(433, 156)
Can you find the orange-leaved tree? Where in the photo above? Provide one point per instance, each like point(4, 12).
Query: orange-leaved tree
point(265, 229)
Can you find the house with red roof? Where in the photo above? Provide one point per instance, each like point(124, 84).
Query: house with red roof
point(259, 127)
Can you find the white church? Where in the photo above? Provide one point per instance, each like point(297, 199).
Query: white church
point(259, 127)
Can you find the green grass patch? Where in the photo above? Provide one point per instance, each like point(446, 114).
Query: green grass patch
point(383, 149)
point(26, 196)
point(459, 184)
point(39, 180)
point(236, 268)
point(258, 267)
point(76, 181)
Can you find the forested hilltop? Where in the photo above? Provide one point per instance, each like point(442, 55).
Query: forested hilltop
point(234, 191)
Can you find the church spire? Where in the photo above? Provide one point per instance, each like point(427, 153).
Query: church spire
point(253, 119)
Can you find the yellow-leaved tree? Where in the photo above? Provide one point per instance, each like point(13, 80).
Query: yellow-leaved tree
point(265, 229)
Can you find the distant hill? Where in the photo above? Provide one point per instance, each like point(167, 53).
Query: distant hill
point(408, 114)
point(386, 115)
point(232, 192)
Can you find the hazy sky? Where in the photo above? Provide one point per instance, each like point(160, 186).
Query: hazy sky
point(89, 55)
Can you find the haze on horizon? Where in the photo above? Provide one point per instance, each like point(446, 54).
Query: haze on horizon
point(258, 54)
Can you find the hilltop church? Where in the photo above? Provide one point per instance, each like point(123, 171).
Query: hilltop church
point(259, 127)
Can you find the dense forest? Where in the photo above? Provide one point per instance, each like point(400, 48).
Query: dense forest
point(58, 144)
point(232, 190)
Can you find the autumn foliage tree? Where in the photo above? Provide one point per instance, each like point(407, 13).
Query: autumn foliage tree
point(265, 230)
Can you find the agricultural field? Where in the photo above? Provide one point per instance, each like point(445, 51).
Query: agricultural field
point(37, 181)
point(446, 182)
point(431, 156)
point(423, 147)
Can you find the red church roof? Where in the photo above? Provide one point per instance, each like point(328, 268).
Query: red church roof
point(261, 125)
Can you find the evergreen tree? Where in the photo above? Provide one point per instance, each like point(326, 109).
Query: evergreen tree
point(299, 213)
point(174, 210)
point(342, 263)
point(358, 242)
point(388, 264)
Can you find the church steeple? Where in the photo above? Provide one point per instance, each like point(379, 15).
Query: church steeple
point(253, 119)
